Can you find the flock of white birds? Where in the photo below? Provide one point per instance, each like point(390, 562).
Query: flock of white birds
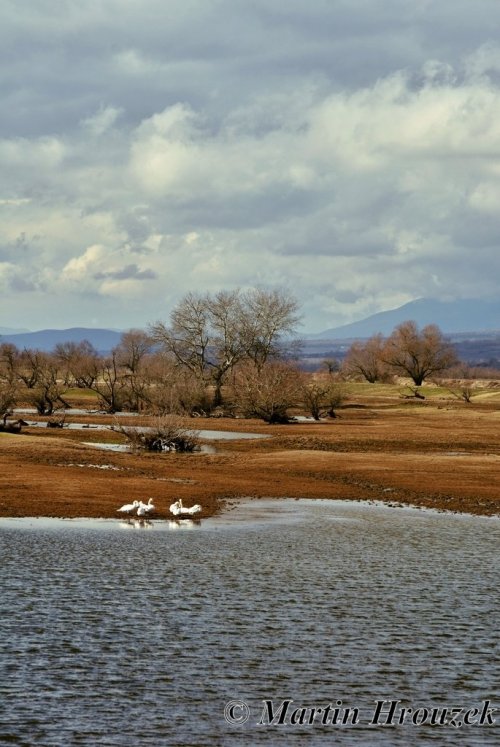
point(144, 510)
point(137, 507)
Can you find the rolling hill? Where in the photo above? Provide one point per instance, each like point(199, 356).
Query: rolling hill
point(103, 340)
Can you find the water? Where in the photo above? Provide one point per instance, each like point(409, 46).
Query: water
point(135, 638)
point(208, 434)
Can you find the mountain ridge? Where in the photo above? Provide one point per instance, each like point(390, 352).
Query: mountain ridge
point(452, 317)
point(103, 340)
point(466, 316)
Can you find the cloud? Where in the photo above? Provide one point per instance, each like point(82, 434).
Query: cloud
point(348, 151)
point(130, 272)
point(100, 270)
point(102, 121)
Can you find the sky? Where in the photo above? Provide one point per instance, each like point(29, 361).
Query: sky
point(345, 151)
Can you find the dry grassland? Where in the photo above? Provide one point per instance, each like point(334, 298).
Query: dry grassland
point(438, 453)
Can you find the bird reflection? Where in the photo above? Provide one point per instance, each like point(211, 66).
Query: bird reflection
point(184, 524)
point(136, 524)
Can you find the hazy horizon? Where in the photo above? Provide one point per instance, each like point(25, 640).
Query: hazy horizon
point(467, 315)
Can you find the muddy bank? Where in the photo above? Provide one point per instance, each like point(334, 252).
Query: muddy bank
point(444, 459)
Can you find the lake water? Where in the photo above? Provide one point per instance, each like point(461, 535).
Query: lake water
point(120, 635)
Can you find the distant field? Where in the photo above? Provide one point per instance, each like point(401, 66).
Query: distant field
point(365, 392)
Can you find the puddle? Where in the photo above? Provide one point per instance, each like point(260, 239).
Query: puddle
point(230, 435)
point(210, 435)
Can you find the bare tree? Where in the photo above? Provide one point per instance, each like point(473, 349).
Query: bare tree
point(7, 400)
point(322, 396)
point(44, 377)
point(9, 363)
point(132, 355)
point(29, 368)
point(416, 354)
point(79, 363)
point(39, 371)
point(111, 385)
point(331, 365)
point(9, 356)
point(188, 336)
point(270, 394)
point(366, 359)
point(269, 316)
point(133, 348)
point(209, 335)
point(227, 346)
point(462, 387)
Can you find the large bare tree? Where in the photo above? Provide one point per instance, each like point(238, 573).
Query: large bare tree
point(418, 354)
point(204, 336)
point(210, 334)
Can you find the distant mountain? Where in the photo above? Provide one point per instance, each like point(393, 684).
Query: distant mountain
point(468, 315)
point(103, 340)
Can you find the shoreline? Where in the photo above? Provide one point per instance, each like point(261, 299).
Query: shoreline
point(249, 510)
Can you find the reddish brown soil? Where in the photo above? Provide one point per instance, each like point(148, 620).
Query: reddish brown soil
point(445, 457)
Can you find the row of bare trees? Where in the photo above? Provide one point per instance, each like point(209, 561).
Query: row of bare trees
point(231, 352)
point(134, 376)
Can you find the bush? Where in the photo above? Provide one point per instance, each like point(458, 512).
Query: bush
point(322, 396)
point(269, 393)
point(169, 434)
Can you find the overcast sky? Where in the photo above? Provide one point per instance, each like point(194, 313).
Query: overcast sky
point(345, 150)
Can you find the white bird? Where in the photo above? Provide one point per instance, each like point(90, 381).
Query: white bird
point(177, 509)
point(150, 506)
point(128, 508)
point(145, 509)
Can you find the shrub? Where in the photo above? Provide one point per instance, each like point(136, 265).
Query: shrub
point(169, 434)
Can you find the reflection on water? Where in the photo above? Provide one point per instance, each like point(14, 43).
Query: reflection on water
point(138, 638)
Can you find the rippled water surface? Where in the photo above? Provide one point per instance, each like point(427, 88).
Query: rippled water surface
point(116, 634)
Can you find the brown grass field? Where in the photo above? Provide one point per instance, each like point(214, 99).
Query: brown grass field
point(439, 453)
